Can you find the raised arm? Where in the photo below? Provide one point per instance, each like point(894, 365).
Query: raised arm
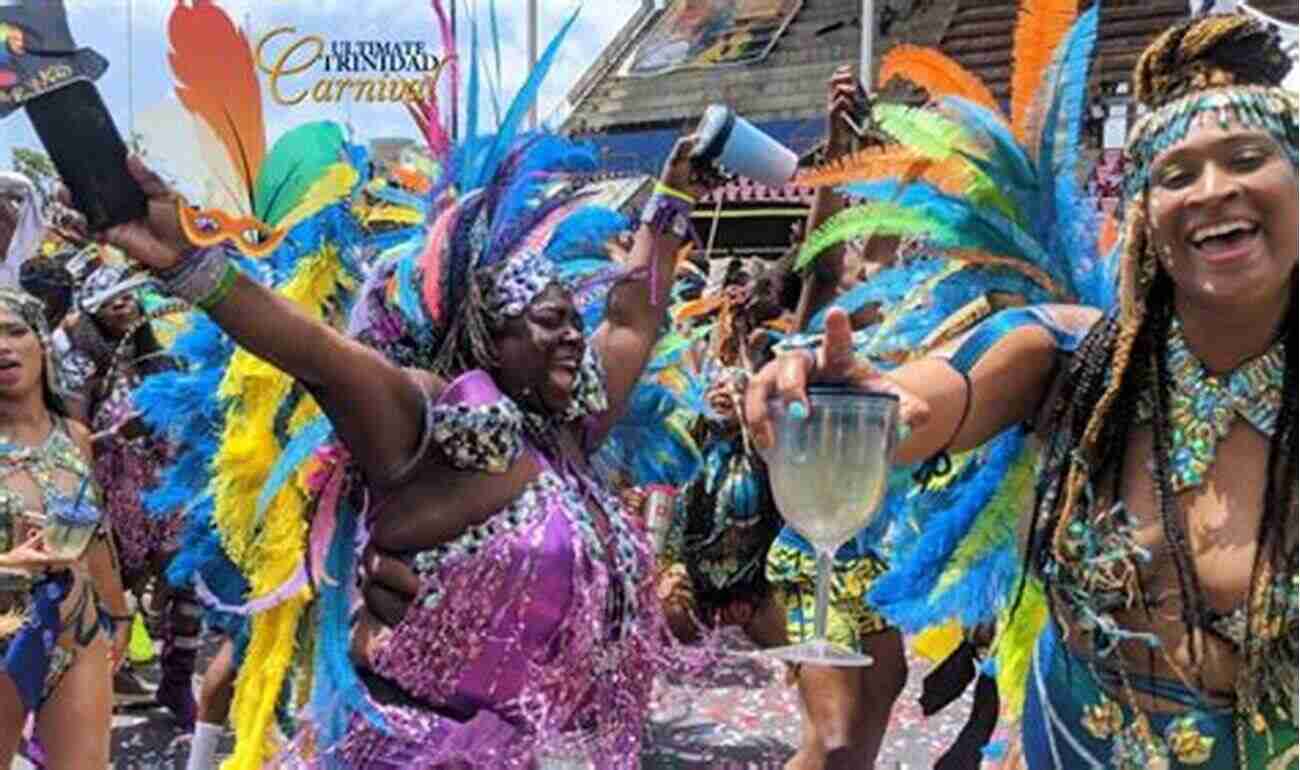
point(375, 406)
point(822, 282)
point(635, 312)
point(942, 411)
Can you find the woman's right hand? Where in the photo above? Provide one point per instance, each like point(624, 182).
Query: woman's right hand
point(31, 556)
point(787, 379)
point(158, 240)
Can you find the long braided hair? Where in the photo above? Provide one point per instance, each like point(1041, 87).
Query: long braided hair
point(1230, 64)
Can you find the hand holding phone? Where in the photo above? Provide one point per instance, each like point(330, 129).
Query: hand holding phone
point(43, 71)
point(89, 154)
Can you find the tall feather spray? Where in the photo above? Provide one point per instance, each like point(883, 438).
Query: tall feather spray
point(216, 79)
point(1042, 25)
point(1065, 88)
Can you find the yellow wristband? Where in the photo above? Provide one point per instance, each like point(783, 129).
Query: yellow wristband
point(664, 189)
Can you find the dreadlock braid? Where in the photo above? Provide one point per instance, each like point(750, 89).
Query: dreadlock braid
point(1109, 375)
point(1206, 52)
point(1275, 548)
point(1193, 599)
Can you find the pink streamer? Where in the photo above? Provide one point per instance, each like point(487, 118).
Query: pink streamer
point(323, 525)
point(275, 598)
point(434, 251)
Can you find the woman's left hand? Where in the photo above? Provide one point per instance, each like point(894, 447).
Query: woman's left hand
point(31, 556)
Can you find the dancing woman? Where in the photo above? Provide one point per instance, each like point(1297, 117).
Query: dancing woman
point(61, 587)
point(724, 519)
point(1170, 573)
point(507, 599)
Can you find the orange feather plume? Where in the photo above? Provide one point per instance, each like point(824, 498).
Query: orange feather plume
point(1043, 24)
point(938, 74)
point(216, 80)
point(698, 307)
point(951, 175)
point(1109, 234)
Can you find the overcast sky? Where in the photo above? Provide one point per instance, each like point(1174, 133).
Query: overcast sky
point(138, 86)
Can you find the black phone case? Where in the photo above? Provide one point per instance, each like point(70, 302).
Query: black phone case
point(84, 145)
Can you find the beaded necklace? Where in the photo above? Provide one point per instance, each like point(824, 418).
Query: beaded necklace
point(1203, 406)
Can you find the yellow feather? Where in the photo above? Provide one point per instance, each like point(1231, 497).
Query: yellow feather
point(935, 72)
point(399, 214)
point(1042, 25)
point(938, 642)
point(271, 644)
point(270, 554)
point(334, 185)
point(1014, 648)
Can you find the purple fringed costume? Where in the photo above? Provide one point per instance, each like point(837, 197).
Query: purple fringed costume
point(125, 469)
point(536, 629)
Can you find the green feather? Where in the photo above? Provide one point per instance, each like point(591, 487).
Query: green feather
point(928, 132)
point(675, 342)
point(995, 528)
point(296, 161)
point(935, 135)
point(876, 218)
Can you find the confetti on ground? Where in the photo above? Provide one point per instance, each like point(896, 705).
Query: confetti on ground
point(744, 718)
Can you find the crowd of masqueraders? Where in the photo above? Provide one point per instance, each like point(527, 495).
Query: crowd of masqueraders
point(464, 463)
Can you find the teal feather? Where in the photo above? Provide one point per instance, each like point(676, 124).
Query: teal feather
point(523, 101)
point(1076, 230)
point(496, 52)
point(298, 450)
point(296, 161)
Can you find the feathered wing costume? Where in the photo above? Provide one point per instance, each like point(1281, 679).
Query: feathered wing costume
point(994, 217)
point(274, 506)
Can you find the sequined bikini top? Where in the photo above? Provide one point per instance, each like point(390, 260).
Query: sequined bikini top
point(78, 507)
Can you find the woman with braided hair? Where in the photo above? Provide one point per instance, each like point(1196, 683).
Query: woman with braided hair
point(1163, 525)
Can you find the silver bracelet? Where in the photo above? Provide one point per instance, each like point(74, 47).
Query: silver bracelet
point(199, 277)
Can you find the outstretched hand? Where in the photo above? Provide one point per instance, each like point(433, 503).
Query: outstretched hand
point(787, 379)
point(157, 241)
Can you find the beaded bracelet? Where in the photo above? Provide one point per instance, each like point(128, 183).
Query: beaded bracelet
point(663, 189)
point(202, 277)
point(670, 212)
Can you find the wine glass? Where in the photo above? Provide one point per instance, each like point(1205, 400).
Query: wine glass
point(828, 473)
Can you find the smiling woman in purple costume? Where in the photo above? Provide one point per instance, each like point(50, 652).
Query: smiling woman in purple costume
point(507, 598)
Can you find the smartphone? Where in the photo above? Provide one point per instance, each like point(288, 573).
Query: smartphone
point(89, 154)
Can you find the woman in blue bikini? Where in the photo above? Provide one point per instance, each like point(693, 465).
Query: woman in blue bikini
point(60, 587)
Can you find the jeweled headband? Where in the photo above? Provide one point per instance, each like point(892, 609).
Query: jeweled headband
point(1272, 109)
point(32, 312)
point(1226, 65)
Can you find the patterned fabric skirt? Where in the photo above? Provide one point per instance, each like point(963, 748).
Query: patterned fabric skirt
point(1071, 721)
point(792, 571)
